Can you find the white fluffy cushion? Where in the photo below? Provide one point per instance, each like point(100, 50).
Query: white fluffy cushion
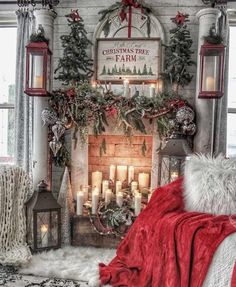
point(210, 184)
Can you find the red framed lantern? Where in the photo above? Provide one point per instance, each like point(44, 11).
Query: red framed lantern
point(211, 71)
point(38, 69)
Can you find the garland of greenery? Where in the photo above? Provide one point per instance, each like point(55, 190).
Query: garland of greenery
point(122, 10)
point(85, 107)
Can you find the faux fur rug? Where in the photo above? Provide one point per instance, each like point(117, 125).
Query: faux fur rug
point(77, 263)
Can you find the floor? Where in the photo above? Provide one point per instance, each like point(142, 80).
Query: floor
point(9, 277)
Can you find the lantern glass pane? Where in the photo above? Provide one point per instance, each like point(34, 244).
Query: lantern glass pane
point(175, 168)
point(165, 162)
point(47, 229)
point(211, 74)
point(36, 71)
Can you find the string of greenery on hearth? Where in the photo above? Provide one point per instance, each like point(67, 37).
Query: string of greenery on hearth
point(81, 106)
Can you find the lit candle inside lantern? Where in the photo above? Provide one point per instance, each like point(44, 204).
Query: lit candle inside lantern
point(80, 202)
point(152, 90)
point(130, 174)
point(97, 179)
point(159, 85)
point(85, 191)
point(44, 235)
point(119, 199)
point(121, 173)
point(210, 84)
point(137, 203)
point(143, 180)
point(112, 172)
point(105, 186)
point(108, 196)
point(126, 88)
point(134, 185)
point(174, 175)
point(38, 82)
point(118, 186)
point(95, 199)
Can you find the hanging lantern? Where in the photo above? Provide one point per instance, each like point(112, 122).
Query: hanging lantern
point(38, 63)
point(43, 215)
point(211, 71)
point(171, 159)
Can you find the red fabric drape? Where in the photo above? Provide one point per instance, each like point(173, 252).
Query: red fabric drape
point(166, 246)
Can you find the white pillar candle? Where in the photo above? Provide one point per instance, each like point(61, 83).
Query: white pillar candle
point(134, 185)
point(210, 84)
point(152, 90)
point(80, 202)
point(143, 180)
point(159, 86)
point(95, 199)
point(118, 186)
point(112, 172)
point(105, 186)
point(130, 174)
point(143, 88)
point(97, 179)
point(119, 199)
point(85, 191)
point(126, 88)
point(121, 173)
point(108, 196)
point(137, 203)
point(44, 235)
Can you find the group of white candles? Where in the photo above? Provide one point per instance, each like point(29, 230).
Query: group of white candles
point(118, 175)
point(108, 195)
point(153, 88)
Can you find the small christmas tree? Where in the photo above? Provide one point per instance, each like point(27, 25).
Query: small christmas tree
point(178, 53)
point(75, 65)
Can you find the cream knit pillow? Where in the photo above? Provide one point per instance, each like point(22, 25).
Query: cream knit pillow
point(210, 184)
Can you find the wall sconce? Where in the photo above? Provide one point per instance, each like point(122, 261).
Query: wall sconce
point(38, 64)
point(171, 159)
point(211, 71)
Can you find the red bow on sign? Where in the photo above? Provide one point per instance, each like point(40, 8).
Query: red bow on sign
point(127, 3)
point(132, 3)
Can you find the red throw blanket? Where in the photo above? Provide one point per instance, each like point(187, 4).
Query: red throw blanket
point(166, 246)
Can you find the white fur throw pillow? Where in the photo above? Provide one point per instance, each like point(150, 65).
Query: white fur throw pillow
point(210, 184)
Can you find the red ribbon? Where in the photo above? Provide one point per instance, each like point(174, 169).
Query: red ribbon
point(123, 13)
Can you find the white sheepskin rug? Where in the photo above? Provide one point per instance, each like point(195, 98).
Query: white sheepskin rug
point(77, 263)
point(210, 184)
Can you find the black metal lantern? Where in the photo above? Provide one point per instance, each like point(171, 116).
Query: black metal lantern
point(171, 159)
point(211, 71)
point(43, 215)
point(38, 64)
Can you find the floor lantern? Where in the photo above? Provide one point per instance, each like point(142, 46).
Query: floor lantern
point(171, 159)
point(211, 71)
point(43, 215)
point(38, 63)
